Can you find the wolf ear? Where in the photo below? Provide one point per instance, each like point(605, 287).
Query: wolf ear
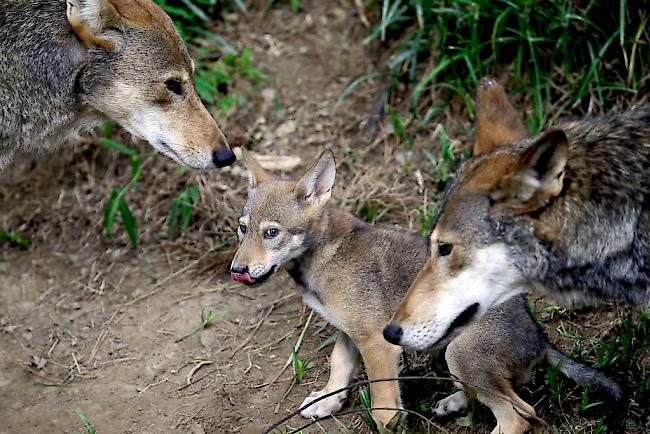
point(256, 174)
point(538, 176)
point(498, 123)
point(89, 18)
point(315, 188)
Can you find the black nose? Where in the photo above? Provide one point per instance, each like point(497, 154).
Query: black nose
point(393, 333)
point(223, 157)
point(239, 270)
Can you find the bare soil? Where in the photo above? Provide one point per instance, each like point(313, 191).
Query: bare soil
point(93, 325)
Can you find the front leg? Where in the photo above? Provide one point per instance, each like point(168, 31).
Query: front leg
point(381, 359)
point(344, 364)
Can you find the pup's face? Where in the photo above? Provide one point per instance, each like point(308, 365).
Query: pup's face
point(142, 77)
point(471, 268)
point(271, 232)
point(274, 221)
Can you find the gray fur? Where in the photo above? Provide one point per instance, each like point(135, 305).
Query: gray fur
point(510, 344)
point(601, 218)
point(41, 63)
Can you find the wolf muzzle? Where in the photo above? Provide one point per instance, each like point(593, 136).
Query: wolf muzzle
point(223, 157)
point(393, 333)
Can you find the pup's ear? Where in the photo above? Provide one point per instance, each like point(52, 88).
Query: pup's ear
point(315, 188)
point(538, 175)
point(256, 174)
point(89, 18)
point(497, 121)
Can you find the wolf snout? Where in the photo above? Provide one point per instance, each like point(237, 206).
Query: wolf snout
point(241, 275)
point(223, 157)
point(393, 333)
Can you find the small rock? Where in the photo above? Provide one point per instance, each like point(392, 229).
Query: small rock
point(195, 428)
point(207, 339)
point(289, 127)
point(27, 335)
point(38, 362)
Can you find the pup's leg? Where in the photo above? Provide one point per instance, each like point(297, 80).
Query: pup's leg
point(452, 404)
point(509, 415)
point(490, 380)
point(381, 359)
point(344, 364)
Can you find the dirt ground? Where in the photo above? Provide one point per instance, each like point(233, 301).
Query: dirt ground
point(92, 325)
point(115, 316)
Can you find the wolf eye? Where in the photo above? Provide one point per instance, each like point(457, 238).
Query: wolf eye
point(444, 249)
point(242, 228)
point(175, 86)
point(271, 233)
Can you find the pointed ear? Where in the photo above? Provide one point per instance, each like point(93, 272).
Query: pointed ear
point(538, 176)
point(256, 174)
point(497, 121)
point(315, 188)
point(89, 18)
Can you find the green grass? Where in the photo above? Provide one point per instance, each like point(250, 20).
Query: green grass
point(181, 210)
point(90, 429)
point(300, 367)
point(365, 401)
point(206, 321)
point(561, 54)
point(14, 239)
point(117, 203)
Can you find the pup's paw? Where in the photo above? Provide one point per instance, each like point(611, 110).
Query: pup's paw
point(324, 407)
point(451, 404)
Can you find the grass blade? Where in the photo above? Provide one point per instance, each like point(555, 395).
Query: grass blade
point(129, 222)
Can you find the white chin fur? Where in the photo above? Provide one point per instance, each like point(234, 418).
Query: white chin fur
point(153, 130)
point(490, 280)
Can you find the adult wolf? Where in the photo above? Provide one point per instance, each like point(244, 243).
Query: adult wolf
point(565, 213)
point(67, 66)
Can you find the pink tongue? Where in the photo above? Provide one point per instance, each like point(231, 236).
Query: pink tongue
point(242, 277)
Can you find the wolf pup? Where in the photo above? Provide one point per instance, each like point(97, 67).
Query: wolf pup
point(65, 66)
point(350, 272)
point(565, 213)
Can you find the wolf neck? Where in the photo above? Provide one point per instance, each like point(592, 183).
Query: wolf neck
point(323, 236)
point(40, 60)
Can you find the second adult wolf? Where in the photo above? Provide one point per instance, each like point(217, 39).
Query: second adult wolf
point(566, 213)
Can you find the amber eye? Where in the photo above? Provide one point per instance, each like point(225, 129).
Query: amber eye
point(175, 86)
point(271, 233)
point(444, 249)
point(242, 228)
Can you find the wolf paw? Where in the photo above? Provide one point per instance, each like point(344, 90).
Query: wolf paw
point(324, 407)
point(451, 404)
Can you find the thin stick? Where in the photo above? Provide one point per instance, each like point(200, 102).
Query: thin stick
point(157, 383)
point(417, 377)
point(76, 363)
point(297, 347)
point(103, 335)
point(361, 410)
point(250, 336)
point(188, 379)
point(158, 285)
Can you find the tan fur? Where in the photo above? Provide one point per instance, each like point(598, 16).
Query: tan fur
point(352, 273)
point(83, 31)
point(497, 123)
